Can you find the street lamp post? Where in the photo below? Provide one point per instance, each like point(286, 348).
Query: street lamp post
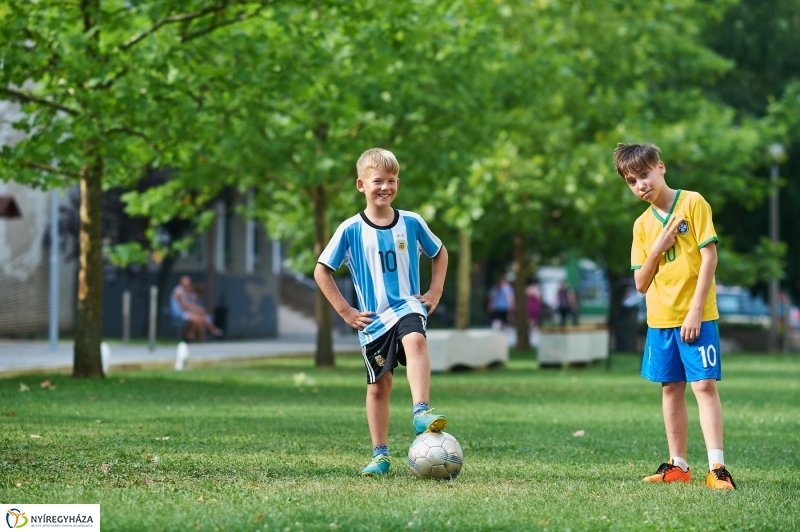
point(777, 152)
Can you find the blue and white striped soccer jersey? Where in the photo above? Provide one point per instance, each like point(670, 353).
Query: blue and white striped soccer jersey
point(384, 265)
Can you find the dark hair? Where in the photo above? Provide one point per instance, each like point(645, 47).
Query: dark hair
point(635, 158)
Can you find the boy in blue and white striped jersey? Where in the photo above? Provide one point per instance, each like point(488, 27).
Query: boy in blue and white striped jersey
point(381, 247)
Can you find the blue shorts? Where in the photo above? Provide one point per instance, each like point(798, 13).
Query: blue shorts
point(668, 359)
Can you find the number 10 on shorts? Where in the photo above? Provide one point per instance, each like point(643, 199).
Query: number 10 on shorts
point(709, 355)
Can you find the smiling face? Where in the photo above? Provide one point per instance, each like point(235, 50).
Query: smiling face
point(647, 184)
point(379, 186)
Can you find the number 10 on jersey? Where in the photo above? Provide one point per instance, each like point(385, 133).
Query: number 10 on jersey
point(388, 261)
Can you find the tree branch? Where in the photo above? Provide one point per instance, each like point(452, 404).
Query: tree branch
point(51, 169)
point(133, 132)
point(25, 97)
point(183, 17)
point(240, 16)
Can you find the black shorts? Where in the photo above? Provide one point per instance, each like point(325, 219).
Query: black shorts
point(500, 315)
point(385, 353)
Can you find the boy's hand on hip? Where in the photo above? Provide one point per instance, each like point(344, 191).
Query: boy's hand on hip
point(430, 300)
point(668, 236)
point(357, 320)
point(690, 330)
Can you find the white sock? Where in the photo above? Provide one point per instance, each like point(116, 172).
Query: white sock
point(715, 457)
point(680, 462)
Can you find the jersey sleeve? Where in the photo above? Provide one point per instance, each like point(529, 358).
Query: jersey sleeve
point(702, 223)
point(428, 242)
point(638, 253)
point(336, 252)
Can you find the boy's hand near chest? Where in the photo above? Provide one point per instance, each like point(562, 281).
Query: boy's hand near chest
point(667, 237)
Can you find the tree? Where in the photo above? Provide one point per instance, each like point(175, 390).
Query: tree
point(340, 78)
point(96, 80)
point(581, 77)
point(761, 39)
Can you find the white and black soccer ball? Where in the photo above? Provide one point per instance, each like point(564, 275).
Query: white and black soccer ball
point(435, 455)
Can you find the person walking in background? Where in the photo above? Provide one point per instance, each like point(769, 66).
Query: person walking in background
point(501, 303)
point(567, 304)
point(533, 299)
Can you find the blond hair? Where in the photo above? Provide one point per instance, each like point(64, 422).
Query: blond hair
point(377, 159)
point(635, 158)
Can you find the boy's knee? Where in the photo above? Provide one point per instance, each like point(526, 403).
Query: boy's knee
point(673, 388)
point(381, 388)
point(414, 343)
point(705, 387)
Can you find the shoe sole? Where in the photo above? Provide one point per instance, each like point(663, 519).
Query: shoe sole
point(373, 474)
point(437, 425)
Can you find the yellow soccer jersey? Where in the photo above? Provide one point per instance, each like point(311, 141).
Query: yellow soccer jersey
point(670, 294)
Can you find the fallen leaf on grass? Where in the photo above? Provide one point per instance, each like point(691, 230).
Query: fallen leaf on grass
point(23, 388)
point(98, 420)
point(104, 468)
point(11, 414)
point(18, 484)
point(201, 499)
point(162, 438)
point(35, 436)
point(92, 397)
point(630, 464)
point(259, 517)
point(579, 433)
point(47, 385)
point(122, 381)
point(156, 459)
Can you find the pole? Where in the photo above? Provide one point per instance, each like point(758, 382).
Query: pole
point(773, 283)
point(787, 325)
point(54, 203)
point(126, 316)
point(151, 329)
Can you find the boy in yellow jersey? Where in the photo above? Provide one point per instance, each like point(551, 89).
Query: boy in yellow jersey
point(674, 255)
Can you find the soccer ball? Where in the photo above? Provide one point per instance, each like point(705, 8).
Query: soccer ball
point(435, 455)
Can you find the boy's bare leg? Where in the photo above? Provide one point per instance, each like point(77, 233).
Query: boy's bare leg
point(676, 419)
point(710, 408)
point(418, 367)
point(378, 409)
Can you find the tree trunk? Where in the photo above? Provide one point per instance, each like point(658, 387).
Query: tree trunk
point(463, 279)
point(324, 354)
point(89, 327)
point(211, 267)
point(521, 271)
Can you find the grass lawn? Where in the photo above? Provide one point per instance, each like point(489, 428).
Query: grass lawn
point(244, 447)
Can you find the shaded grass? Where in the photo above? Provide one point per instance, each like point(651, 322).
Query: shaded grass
point(248, 449)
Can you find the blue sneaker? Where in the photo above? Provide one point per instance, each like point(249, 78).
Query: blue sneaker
point(427, 421)
point(378, 466)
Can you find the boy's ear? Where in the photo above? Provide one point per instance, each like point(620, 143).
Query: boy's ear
point(662, 167)
point(359, 184)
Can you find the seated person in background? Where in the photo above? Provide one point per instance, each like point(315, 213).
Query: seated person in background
point(196, 298)
point(185, 308)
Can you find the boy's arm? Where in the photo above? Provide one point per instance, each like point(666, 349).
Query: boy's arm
point(439, 269)
point(354, 318)
point(644, 275)
point(690, 330)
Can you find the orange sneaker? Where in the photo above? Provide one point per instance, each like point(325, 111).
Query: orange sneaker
point(720, 479)
point(669, 473)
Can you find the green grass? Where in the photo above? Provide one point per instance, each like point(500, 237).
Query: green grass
point(250, 450)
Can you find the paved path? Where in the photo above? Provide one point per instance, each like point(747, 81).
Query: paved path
point(20, 356)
